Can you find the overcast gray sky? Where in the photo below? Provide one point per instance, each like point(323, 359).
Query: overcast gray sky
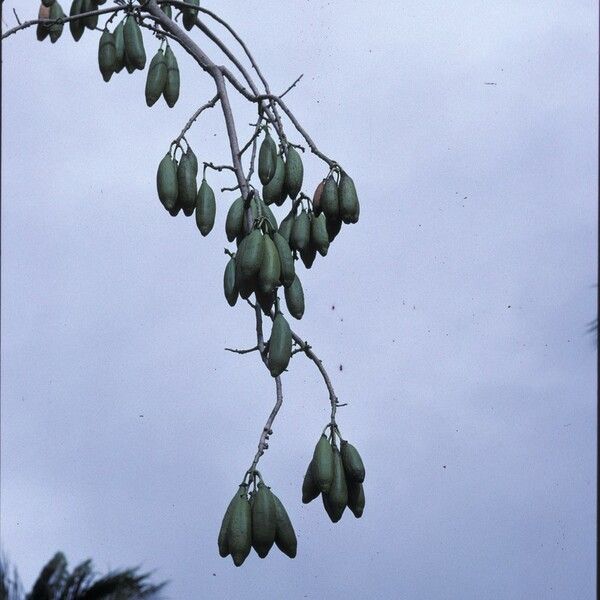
point(461, 301)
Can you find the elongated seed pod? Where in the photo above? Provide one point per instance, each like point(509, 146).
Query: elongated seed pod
point(190, 14)
point(285, 536)
point(76, 26)
point(270, 268)
point(42, 30)
point(286, 260)
point(322, 464)
point(239, 530)
point(206, 208)
point(134, 43)
point(336, 499)
point(294, 173)
point(280, 346)
point(107, 55)
point(234, 221)
point(91, 22)
point(319, 238)
point(348, 199)
point(186, 181)
point(56, 29)
point(310, 488)
point(229, 283)
point(119, 47)
point(263, 520)
point(353, 464)
point(294, 298)
point(356, 498)
point(171, 91)
point(267, 159)
point(222, 539)
point(156, 79)
point(300, 236)
point(166, 182)
point(274, 190)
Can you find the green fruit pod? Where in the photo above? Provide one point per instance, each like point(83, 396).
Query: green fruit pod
point(48, 3)
point(316, 201)
point(229, 284)
point(76, 26)
point(267, 159)
point(56, 29)
point(329, 203)
point(333, 228)
point(134, 43)
point(166, 8)
point(270, 268)
point(206, 208)
point(336, 499)
point(319, 238)
point(239, 529)
point(348, 199)
point(310, 488)
point(308, 256)
point(119, 48)
point(273, 191)
point(186, 182)
point(245, 285)
point(189, 15)
point(356, 498)
point(263, 520)
point(41, 29)
point(280, 346)
point(322, 464)
point(171, 91)
point(294, 298)
point(250, 260)
point(222, 539)
point(166, 182)
point(285, 229)
point(300, 236)
point(90, 22)
point(156, 79)
point(353, 464)
point(294, 173)
point(285, 536)
point(193, 158)
point(234, 223)
point(106, 55)
point(288, 271)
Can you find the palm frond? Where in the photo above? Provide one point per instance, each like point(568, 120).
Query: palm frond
point(80, 579)
point(10, 585)
point(51, 580)
point(123, 585)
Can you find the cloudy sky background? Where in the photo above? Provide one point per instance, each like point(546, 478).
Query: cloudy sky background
point(461, 305)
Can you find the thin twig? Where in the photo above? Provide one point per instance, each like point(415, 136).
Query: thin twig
point(291, 86)
point(255, 349)
point(204, 107)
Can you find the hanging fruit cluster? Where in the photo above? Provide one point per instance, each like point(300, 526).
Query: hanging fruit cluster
point(256, 520)
point(263, 263)
point(336, 473)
